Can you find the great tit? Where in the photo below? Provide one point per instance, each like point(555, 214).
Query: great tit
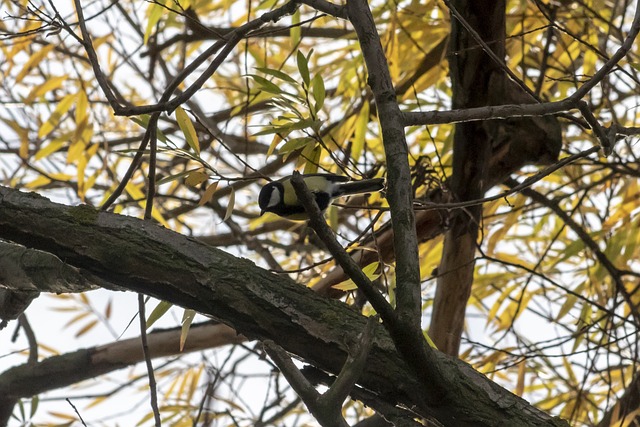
point(279, 197)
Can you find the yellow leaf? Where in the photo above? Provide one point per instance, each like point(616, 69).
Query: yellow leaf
point(86, 328)
point(50, 84)
point(82, 108)
point(134, 191)
point(429, 340)
point(187, 319)
point(155, 11)
point(369, 271)
point(63, 106)
point(274, 143)
point(187, 129)
point(208, 194)
point(38, 182)
point(158, 312)
point(196, 178)
point(232, 202)
point(33, 61)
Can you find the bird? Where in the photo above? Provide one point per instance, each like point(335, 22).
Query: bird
point(279, 197)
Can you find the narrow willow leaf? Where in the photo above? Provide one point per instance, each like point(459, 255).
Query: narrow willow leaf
point(319, 92)
point(369, 271)
point(232, 202)
point(277, 74)
point(189, 131)
point(158, 312)
point(187, 319)
point(63, 106)
point(155, 11)
point(303, 67)
point(266, 85)
point(208, 194)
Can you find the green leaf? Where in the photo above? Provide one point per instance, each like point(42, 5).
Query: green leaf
point(143, 121)
point(294, 144)
point(303, 67)
point(319, 92)
point(277, 74)
point(189, 131)
point(295, 32)
point(196, 178)
point(158, 312)
point(266, 85)
point(173, 177)
point(313, 160)
point(35, 400)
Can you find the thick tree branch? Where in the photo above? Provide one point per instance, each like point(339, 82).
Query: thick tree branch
point(147, 258)
point(399, 189)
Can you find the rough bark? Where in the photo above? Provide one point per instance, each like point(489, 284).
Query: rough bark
point(143, 257)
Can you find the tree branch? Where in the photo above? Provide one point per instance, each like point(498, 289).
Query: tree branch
point(399, 189)
point(147, 258)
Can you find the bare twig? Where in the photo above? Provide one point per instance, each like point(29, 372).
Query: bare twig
point(516, 189)
point(326, 416)
point(151, 186)
point(93, 59)
point(614, 272)
point(153, 123)
point(31, 338)
point(327, 408)
point(613, 61)
point(153, 392)
point(76, 411)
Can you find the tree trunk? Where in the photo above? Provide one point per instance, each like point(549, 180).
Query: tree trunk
point(472, 75)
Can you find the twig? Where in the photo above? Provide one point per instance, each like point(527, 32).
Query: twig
point(151, 186)
point(147, 358)
point(613, 61)
point(486, 113)
point(153, 122)
point(76, 411)
point(227, 44)
point(614, 272)
point(521, 186)
point(354, 366)
point(327, 408)
point(327, 7)
point(31, 338)
point(326, 417)
point(93, 59)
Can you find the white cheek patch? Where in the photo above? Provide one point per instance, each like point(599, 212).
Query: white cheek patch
point(275, 198)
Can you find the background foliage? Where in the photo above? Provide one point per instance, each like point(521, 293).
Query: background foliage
point(553, 314)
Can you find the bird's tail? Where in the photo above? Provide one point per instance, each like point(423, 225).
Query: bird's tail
point(358, 187)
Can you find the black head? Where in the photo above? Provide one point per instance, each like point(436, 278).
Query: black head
point(270, 197)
